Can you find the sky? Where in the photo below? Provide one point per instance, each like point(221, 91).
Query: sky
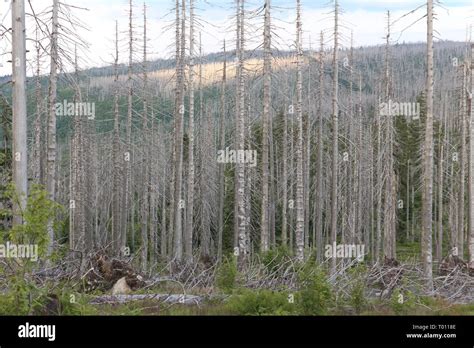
point(365, 18)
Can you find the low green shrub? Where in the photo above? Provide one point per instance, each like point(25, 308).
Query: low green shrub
point(315, 295)
point(260, 302)
point(402, 302)
point(357, 298)
point(227, 275)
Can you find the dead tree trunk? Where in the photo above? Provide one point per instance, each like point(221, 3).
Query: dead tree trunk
point(319, 173)
point(267, 80)
point(53, 80)
point(299, 141)
point(188, 246)
point(462, 164)
point(471, 166)
point(241, 208)
point(221, 172)
point(117, 226)
point(427, 187)
point(335, 135)
point(20, 168)
point(145, 204)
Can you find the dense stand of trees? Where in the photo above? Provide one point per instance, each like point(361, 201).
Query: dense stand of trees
point(330, 167)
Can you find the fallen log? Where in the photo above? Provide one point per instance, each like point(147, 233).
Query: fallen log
point(172, 299)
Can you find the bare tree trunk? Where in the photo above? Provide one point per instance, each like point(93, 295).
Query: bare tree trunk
point(188, 247)
point(153, 175)
point(390, 184)
point(471, 166)
point(462, 172)
point(349, 167)
point(145, 204)
point(284, 213)
point(206, 179)
point(178, 191)
point(335, 141)
point(241, 209)
point(127, 201)
point(173, 198)
point(427, 187)
point(37, 156)
point(272, 188)
point(308, 127)
point(267, 80)
point(20, 168)
point(360, 225)
point(442, 143)
point(77, 175)
point(164, 232)
point(319, 173)
point(299, 141)
point(407, 223)
point(53, 80)
point(378, 191)
point(221, 172)
point(118, 158)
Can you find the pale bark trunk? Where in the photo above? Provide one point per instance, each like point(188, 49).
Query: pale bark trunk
point(462, 164)
point(439, 249)
point(335, 135)
point(267, 70)
point(471, 166)
point(77, 184)
point(145, 204)
point(284, 227)
point(178, 201)
point(127, 202)
point(319, 173)
point(427, 187)
point(390, 185)
point(299, 141)
point(37, 156)
point(20, 168)
point(221, 173)
point(53, 79)
point(173, 198)
point(241, 209)
point(118, 160)
point(188, 247)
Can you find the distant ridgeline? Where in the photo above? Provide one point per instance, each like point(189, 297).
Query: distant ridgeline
point(408, 61)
